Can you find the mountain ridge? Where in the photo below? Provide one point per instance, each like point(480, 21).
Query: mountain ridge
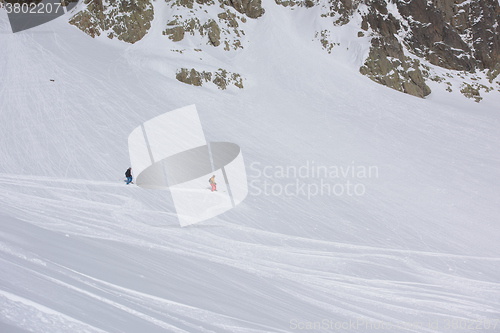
point(410, 41)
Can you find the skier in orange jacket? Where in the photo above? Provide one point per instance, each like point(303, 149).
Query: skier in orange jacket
point(212, 182)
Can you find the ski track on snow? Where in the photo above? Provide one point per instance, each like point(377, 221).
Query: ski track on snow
point(314, 272)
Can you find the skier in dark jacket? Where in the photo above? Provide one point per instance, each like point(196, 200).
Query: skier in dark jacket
point(128, 174)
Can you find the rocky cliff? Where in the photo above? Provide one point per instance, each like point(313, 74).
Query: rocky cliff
point(460, 35)
point(128, 20)
point(223, 27)
point(410, 41)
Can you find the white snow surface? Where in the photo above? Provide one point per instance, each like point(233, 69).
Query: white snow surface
point(82, 252)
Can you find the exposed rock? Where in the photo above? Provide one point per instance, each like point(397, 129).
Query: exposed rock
point(342, 10)
point(254, 9)
point(176, 33)
point(189, 76)
point(222, 29)
point(185, 3)
point(387, 65)
point(433, 38)
point(386, 62)
point(323, 37)
point(453, 34)
point(462, 35)
point(220, 81)
point(213, 31)
point(221, 78)
point(237, 80)
point(210, 28)
point(86, 22)
point(471, 92)
point(127, 20)
point(379, 20)
point(251, 8)
point(298, 3)
point(473, 89)
point(493, 73)
point(477, 22)
point(229, 18)
point(309, 3)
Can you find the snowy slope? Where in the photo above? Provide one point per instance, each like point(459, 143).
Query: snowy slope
point(81, 252)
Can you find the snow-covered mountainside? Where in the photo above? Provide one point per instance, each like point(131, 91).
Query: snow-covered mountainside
point(402, 44)
point(369, 208)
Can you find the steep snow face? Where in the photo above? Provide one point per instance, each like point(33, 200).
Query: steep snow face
point(411, 241)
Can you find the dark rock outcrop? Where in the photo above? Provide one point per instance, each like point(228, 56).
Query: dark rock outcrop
point(125, 19)
point(406, 36)
point(176, 33)
point(225, 28)
point(213, 32)
point(452, 34)
point(387, 64)
point(433, 38)
point(221, 78)
point(251, 8)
